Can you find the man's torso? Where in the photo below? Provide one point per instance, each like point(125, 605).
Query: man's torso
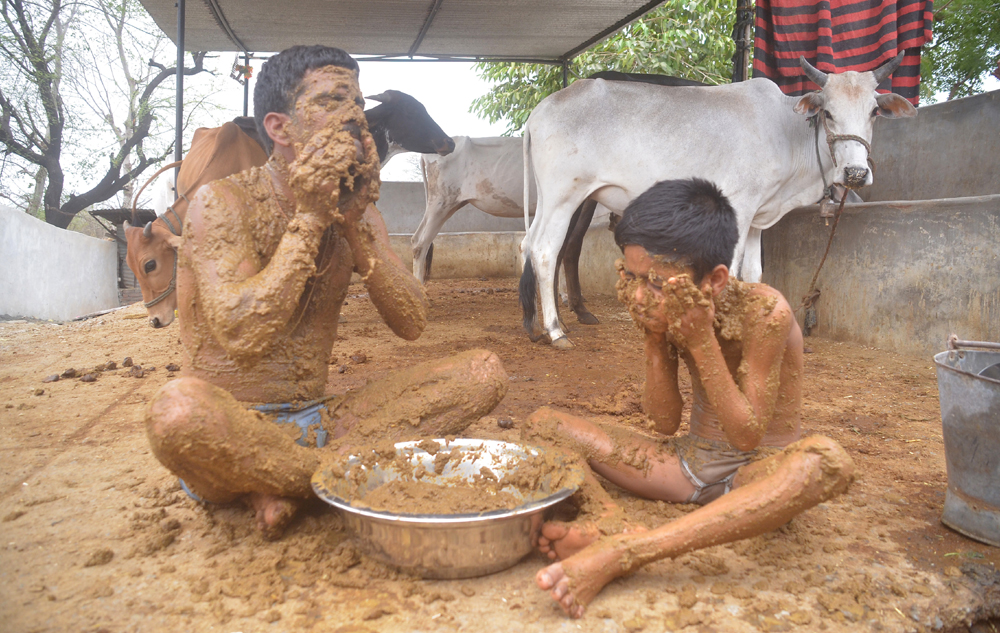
point(244, 218)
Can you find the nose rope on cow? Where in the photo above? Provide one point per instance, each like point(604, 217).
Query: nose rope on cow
point(812, 295)
point(832, 138)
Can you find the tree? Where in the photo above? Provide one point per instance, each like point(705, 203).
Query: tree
point(684, 38)
point(966, 49)
point(61, 59)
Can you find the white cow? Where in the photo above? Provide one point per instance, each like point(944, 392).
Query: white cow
point(610, 141)
point(487, 173)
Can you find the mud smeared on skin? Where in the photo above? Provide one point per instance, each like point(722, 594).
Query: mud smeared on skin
point(437, 398)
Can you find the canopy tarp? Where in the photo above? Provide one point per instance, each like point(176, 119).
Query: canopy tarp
point(541, 30)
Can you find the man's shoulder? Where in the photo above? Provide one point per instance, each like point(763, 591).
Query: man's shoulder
point(229, 196)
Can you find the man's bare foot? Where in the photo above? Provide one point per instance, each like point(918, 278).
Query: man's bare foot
point(559, 540)
point(274, 513)
point(574, 582)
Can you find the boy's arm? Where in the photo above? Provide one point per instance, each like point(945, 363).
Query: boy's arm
point(396, 293)
point(661, 398)
point(744, 413)
point(243, 303)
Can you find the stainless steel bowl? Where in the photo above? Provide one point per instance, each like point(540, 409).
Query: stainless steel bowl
point(448, 545)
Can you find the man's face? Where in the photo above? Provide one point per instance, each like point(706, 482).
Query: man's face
point(329, 97)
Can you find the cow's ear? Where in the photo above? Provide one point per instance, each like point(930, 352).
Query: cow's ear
point(175, 241)
point(809, 104)
point(894, 106)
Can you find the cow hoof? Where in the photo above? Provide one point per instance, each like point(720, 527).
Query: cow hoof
point(587, 318)
point(562, 343)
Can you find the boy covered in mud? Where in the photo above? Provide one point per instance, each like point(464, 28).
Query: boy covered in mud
point(742, 460)
point(263, 270)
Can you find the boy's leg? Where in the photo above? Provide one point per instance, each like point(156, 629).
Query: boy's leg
point(645, 467)
point(805, 474)
point(432, 399)
point(223, 451)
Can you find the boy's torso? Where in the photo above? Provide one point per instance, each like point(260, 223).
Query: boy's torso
point(734, 326)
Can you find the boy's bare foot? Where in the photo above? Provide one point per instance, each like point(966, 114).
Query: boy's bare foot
point(574, 582)
point(274, 513)
point(559, 540)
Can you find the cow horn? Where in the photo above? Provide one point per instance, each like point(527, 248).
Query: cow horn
point(126, 225)
point(147, 231)
point(385, 97)
point(814, 74)
point(887, 68)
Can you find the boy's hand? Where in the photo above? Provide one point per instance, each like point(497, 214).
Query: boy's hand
point(690, 310)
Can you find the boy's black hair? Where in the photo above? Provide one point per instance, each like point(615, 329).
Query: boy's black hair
point(281, 75)
point(687, 221)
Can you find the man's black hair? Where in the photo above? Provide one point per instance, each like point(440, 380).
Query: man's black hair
point(281, 75)
point(687, 221)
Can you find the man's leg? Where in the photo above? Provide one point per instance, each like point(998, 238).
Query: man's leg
point(805, 474)
point(222, 451)
point(432, 399)
point(643, 466)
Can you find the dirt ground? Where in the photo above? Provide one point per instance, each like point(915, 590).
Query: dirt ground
point(97, 536)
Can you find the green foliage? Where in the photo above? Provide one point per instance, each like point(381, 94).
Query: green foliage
point(684, 38)
point(966, 49)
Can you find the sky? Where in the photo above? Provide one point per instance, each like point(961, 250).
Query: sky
point(445, 88)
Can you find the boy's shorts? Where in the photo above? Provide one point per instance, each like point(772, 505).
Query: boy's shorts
point(711, 465)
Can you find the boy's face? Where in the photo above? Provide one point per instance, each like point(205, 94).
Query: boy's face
point(662, 296)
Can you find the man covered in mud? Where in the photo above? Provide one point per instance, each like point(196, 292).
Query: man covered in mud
point(264, 268)
point(742, 460)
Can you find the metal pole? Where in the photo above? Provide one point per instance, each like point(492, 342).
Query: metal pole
point(179, 98)
point(246, 85)
point(565, 73)
point(742, 31)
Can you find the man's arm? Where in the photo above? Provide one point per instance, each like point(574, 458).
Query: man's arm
point(396, 293)
point(745, 410)
point(241, 301)
point(661, 398)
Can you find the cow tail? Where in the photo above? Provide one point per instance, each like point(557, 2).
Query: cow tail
point(428, 260)
point(526, 291)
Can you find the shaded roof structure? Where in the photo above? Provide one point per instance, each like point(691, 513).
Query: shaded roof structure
point(552, 31)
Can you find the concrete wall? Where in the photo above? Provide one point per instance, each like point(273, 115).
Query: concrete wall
point(900, 276)
point(496, 255)
point(950, 150)
point(51, 273)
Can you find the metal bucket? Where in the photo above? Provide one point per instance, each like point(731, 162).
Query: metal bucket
point(970, 417)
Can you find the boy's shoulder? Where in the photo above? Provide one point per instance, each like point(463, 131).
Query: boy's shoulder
point(746, 306)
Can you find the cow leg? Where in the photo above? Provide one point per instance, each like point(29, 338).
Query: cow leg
point(570, 259)
point(751, 270)
point(548, 233)
point(430, 225)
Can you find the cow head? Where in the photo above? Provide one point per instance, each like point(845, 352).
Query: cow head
point(152, 256)
point(401, 124)
point(846, 107)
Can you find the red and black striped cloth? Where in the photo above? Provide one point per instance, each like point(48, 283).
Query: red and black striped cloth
point(839, 35)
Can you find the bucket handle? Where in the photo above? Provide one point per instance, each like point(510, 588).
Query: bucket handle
point(955, 343)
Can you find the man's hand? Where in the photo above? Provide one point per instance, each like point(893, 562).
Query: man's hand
point(324, 167)
point(357, 193)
